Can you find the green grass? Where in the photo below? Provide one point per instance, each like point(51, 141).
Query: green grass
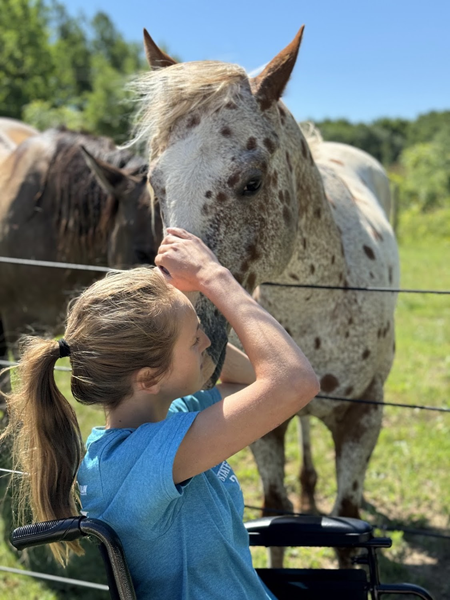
point(408, 479)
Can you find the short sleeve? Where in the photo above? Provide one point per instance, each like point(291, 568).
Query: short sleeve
point(147, 492)
point(198, 401)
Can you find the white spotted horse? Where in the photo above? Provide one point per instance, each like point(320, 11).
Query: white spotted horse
point(229, 163)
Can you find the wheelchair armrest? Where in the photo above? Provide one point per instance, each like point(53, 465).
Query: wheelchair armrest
point(36, 534)
point(306, 530)
point(70, 529)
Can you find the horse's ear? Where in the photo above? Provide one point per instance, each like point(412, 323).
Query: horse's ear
point(112, 179)
point(269, 85)
point(156, 58)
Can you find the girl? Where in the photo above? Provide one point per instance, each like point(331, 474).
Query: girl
point(157, 472)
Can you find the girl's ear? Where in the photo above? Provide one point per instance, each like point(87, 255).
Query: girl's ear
point(144, 381)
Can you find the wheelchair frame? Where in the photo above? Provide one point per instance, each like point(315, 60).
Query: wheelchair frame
point(286, 584)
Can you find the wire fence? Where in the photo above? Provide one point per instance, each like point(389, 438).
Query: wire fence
point(103, 269)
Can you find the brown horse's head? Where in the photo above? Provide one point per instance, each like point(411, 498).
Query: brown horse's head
point(220, 164)
point(136, 232)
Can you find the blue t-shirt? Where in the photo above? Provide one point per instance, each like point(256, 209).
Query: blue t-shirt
point(183, 541)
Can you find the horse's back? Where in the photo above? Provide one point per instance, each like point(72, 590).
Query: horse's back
point(357, 167)
point(22, 174)
point(7, 146)
point(16, 130)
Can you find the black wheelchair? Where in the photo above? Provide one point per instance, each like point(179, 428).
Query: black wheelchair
point(286, 584)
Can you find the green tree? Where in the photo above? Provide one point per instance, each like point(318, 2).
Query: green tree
point(124, 57)
point(26, 60)
point(108, 108)
point(426, 173)
point(426, 126)
point(72, 56)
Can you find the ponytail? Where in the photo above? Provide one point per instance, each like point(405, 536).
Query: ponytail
point(47, 444)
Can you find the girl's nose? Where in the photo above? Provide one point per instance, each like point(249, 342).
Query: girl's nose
point(206, 341)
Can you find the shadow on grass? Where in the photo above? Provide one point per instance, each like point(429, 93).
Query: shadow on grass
point(420, 559)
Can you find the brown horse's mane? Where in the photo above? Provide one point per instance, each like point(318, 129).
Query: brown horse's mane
point(83, 211)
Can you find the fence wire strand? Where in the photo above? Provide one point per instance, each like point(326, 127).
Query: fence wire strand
point(66, 580)
point(102, 269)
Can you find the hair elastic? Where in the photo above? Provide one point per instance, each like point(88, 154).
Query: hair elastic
point(64, 348)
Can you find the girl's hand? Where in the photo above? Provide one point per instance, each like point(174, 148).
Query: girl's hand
point(185, 261)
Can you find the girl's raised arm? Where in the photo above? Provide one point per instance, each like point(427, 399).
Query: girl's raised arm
point(285, 381)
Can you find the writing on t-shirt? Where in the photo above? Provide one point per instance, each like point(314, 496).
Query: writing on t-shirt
point(224, 472)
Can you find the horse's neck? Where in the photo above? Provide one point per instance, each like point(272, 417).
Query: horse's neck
point(318, 255)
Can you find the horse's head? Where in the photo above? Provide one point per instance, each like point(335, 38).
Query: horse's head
point(132, 239)
point(220, 164)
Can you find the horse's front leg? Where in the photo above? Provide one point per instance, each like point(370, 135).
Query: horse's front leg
point(269, 456)
point(355, 434)
point(308, 474)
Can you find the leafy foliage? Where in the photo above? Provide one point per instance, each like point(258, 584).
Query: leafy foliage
point(57, 70)
point(416, 154)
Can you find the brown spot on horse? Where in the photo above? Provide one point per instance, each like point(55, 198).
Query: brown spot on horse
point(225, 131)
point(317, 343)
point(193, 121)
point(369, 252)
point(365, 354)
point(221, 197)
point(233, 179)
point(269, 145)
point(251, 143)
point(329, 383)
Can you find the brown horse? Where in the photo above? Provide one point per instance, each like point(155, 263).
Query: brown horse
point(54, 208)
point(229, 163)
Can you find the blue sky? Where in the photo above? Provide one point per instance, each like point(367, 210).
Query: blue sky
point(359, 59)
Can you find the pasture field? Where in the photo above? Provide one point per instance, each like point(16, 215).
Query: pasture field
point(408, 480)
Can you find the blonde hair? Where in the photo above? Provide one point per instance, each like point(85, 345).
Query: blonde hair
point(117, 326)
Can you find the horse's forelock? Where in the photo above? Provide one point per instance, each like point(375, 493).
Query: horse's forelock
point(166, 95)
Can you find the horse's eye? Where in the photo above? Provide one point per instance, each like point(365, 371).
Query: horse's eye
point(253, 185)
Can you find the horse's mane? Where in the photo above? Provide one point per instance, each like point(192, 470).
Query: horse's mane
point(83, 211)
point(312, 136)
point(166, 95)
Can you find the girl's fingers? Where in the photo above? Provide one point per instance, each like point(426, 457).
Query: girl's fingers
point(178, 232)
